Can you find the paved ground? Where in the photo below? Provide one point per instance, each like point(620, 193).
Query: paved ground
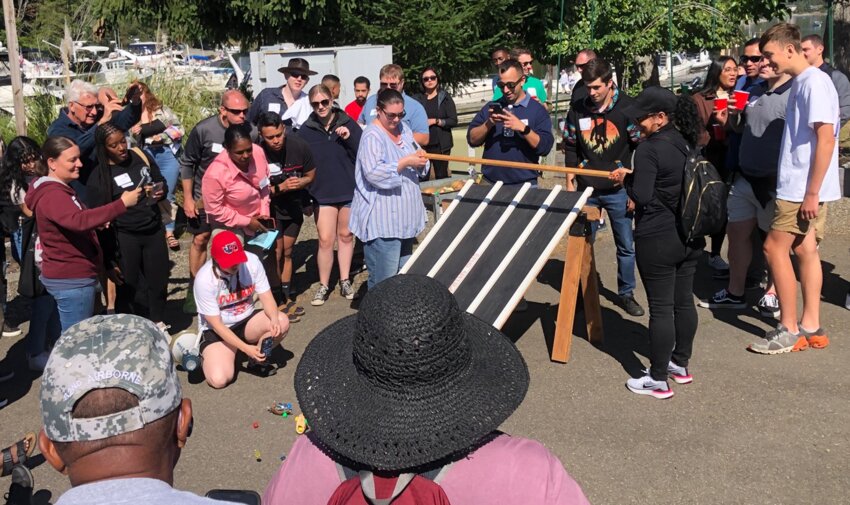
point(750, 429)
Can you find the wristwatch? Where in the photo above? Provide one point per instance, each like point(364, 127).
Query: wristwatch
point(526, 130)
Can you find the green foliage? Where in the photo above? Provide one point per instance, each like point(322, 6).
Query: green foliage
point(41, 111)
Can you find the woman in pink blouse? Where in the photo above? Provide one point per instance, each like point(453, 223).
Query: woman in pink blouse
point(236, 185)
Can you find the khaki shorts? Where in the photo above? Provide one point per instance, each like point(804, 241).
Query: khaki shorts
point(787, 218)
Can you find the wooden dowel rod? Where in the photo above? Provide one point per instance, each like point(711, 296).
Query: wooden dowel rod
point(516, 164)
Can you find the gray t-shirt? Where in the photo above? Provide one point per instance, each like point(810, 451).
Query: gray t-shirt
point(132, 491)
point(758, 155)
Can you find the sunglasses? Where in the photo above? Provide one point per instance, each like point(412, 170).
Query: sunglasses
point(526, 63)
point(580, 66)
point(236, 112)
point(511, 85)
point(321, 103)
point(303, 77)
point(393, 116)
point(428, 78)
point(751, 59)
point(391, 85)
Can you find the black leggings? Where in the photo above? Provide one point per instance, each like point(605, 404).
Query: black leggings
point(143, 254)
point(667, 269)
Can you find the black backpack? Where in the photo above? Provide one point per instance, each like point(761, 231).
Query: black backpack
point(702, 200)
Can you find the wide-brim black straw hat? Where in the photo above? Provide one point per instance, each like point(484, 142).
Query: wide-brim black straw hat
point(409, 380)
point(297, 65)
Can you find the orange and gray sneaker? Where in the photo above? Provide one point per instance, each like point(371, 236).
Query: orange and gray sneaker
point(816, 339)
point(778, 341)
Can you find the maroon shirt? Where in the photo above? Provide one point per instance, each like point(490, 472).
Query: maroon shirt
point(66, 229)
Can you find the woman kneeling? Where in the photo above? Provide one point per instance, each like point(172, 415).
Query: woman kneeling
point(224, 293)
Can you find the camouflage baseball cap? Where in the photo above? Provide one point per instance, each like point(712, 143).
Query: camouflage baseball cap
point(119, 351)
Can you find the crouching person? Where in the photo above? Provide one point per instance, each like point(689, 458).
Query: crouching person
point(224, 293)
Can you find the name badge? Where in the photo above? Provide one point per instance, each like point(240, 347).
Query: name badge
point(264, 182)
point(274, 107)
point(524, 121)
point(373, 112)
point(274, 169)
point(216, 147)
point(584, 123)
point(123, 181)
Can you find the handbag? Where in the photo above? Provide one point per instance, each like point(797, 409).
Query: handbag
point(29, 284)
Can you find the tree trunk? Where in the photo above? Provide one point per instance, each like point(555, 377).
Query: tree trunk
point(841, 38)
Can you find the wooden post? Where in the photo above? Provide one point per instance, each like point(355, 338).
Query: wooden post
point(15, 67)
point(579, 273)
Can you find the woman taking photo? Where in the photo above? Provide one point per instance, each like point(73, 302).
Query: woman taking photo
point(224, 292)
point(333, 138)
point(159, 133)
point(291, 169)
point(71, 255)
point(21, 165)
point(387, 211)
point(719, 84)
point(236, 185)
point(442, 117)
point(667, 265)
point(134, 243)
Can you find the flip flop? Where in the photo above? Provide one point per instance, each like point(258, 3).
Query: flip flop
point(291, 308)
point(23, 450)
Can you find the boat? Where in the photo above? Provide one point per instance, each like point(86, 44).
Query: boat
point(684, 66)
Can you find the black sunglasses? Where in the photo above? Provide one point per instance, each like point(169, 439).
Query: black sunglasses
point(392, 115)
point(236, 112)
point(511, 85)
point(751, 59)
point(296, 75)
point(428, 78)
point(321, 103)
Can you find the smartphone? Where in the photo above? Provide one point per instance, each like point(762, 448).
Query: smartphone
point(269, 223)
point(496, 108)
point(235, 496)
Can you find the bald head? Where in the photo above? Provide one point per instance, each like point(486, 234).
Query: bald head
point(234, 107)
point(584, 56)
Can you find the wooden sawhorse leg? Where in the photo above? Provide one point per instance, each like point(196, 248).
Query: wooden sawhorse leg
point(579, 271)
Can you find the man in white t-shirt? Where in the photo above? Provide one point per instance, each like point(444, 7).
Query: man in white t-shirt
point(807, 179)
point(224, 293)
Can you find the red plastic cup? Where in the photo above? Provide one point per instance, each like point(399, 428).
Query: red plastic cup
point(721, 103)
point(719, 132)
point(741, 98)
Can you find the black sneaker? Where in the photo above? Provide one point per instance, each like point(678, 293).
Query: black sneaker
point(10, 330)
point(20, 492)
point(723, 300)
point(631, 306)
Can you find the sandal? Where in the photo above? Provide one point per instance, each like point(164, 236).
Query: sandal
point(291, 309)
point(172, 242)
point(23, 449)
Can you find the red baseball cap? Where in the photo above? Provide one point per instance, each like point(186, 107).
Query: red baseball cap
point(227, 251)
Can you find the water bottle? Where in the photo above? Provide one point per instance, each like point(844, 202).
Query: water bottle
point(191, 362)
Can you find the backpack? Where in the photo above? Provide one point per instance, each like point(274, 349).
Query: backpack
point(365, 488)
point(702, 199)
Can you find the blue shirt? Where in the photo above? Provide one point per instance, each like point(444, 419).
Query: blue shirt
point(497, 146)
point(386, 204)
point(415, 117)
point(733, 139)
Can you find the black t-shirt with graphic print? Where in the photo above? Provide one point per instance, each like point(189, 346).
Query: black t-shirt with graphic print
point(294, 160)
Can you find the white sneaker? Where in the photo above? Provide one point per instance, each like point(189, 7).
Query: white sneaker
point(769, 305)
point(38, 362)
point(717, 263)
point(646, 385)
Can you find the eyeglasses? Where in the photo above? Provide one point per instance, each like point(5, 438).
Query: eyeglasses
point(303, 77)
point(428, 78)
point(236, 112)
point(391, 85)
point(88, 108)
point(321, 103)
point(511, 85)
point(393, 116)
point(751, 59)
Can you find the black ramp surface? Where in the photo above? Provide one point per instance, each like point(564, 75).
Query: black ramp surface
point(476, 235)
point(522, 264)
point(492, 257)
point(454, 222)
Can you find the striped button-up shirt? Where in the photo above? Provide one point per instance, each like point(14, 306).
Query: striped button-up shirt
point(386, 204)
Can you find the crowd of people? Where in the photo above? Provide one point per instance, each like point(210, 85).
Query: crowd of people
point(91, 213)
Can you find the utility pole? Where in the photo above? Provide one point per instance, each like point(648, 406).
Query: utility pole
point(670, 42)
point(15, 67)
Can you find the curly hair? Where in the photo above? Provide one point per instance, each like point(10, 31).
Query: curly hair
point(103, 196)
point(686, 119)
point(20, 151)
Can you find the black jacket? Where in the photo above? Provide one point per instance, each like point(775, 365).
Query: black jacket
point(441, 136)
point(334, 157)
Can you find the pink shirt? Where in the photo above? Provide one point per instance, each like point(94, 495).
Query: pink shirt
point(507, 470)
point(232, 197)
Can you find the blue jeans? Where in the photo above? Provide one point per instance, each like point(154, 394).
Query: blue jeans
point(74, 304)
point(621, 226)
point(44, 324)
point(167, 162)
point(385, 257)
point(17, 244)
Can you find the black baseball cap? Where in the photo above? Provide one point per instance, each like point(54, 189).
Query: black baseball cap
point(650, 100)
